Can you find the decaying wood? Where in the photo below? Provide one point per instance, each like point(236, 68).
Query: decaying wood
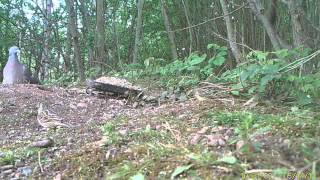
point(114, 85)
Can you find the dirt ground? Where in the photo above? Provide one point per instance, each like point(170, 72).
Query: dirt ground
point(19, 126)
point(78, 151)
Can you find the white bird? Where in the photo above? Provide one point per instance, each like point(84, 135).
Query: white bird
point(16, 73)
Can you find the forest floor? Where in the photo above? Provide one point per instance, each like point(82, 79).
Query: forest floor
point(204, 137)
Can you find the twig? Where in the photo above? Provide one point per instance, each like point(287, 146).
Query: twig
point(39, 161)
point(173, 131)
point(212, 19)
point(308, 166)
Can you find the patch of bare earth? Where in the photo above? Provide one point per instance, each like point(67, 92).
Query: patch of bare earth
point(154, 140)
point(85, 113)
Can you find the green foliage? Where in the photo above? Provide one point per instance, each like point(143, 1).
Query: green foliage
point(65, 79)
point(8, 158)
point(265, 75)
point(179, 170)
point(179, 74)
point(110, 133)
point(93, 72)
point(12, 156)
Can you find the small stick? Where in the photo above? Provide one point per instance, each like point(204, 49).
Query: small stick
point(39, 161)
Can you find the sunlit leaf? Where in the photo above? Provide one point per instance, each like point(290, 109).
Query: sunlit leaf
point(228, 159)
point(179, 170)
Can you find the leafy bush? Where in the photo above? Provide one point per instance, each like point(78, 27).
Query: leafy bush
point(180, 73)
point(265, 75)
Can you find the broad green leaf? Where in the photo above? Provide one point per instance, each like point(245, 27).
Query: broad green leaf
point(213, 46)
point(270, 69)
point(218, 61)
point(222, 54)
point(261, 56)
point(264, 81)
point(283, 53)
point(223, 48)
point(236, 93)
point(228, 159)
point(179, 170)
point(197, 60)
point(209, 46)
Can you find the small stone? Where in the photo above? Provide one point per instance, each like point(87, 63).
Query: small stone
point(229, 132)
point(213, 140)
point(226, 137)
point(203, 130)
point(26, 171)
point(70, 140)
point(82, 105)
point(221, 142)
point(123, 132)
point(287, 142)
point(135, 104)
point(195, 139)
point(158, 127)
point(239, 145)
point(42, 143)
point(58, 177)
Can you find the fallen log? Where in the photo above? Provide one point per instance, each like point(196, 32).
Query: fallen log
point(114, 85)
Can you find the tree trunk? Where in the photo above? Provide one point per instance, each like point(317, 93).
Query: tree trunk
point(138, 32)
point(85, 28)
point(187, 14)
point(67, 60)
point(275, 39)
point(100, 38)
point(47, 9)
point(231, 33)
point(115, 38)
point(300, 36)
point(171, 35)
point(75, 39)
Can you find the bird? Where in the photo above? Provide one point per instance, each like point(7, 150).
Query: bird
point(49, 119)
point(15, 72)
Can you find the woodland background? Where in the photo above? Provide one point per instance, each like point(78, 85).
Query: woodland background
point(232, 89)
point(271, 43)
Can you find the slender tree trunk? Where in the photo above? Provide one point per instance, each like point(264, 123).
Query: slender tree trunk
point(75, 39)
point(300, 36)
point(100, 35)
point(138, 32)
point(300, 31)
point(58, 42)
point(91, 57)
point(67, 60)
point(115, 37)
point(171, 34)
point(187, 14)
point(231, 33)
point(85, 28)
point(275, 39)
point(47, 9)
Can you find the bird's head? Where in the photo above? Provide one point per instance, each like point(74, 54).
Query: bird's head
point(14, 50)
